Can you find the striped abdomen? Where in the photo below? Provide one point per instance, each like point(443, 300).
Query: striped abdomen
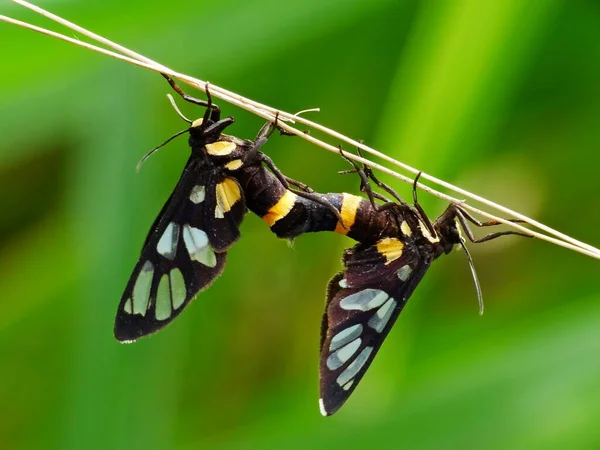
point(290, 215)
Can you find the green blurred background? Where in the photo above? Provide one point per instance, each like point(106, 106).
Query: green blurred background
point(501, 98)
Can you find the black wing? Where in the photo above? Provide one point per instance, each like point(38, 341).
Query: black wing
point(363, 303)
point(184, 251)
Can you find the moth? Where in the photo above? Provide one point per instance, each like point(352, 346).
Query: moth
point(397, 244)
point(186, 247)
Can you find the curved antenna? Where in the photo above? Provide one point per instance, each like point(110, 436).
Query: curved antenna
point(474, 273)
point(155, 149)
point(174, 105)
point(307, 111)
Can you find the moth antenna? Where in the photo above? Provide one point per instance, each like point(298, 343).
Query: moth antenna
point(308, 110)
point(474, 273)
point(285, 119)
point(155, 149)
point(174, 105)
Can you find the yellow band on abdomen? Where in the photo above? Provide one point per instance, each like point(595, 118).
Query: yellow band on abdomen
point(350, 204)
point(280, 209)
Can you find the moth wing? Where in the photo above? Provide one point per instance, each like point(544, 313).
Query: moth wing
point(363, 302)
point(178, 258)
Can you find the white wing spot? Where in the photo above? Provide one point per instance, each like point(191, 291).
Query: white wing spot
point(404, 272)
point(364, 300)
point(167, 244)
point(127, 306)
point(345, 336)
point(381, 318)
point(196, 243)
point(178, 291)
point(162, 310)
point(351, 371)
point(339, 358)
point(343, 283)
point(141, 289)
point(348, 385)
point(198, 194)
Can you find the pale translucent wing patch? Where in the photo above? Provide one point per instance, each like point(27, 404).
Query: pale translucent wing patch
point(198, 247)
point(167, 244)
point(363, 302)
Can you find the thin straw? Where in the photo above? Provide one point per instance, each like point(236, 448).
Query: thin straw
point(268, 113)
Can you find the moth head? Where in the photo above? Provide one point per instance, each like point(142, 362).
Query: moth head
point(198, 127)
point(206, 131)
point(448, 230)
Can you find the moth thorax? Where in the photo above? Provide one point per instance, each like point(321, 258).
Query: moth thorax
point(449, 233)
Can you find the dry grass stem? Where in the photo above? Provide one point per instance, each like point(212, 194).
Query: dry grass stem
point(268, 113)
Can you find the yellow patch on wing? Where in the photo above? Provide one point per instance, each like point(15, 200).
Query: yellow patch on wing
point(234, 165)
point(390, 248)
point(196, 123)
point(350, 204)
point(228, 194)
point(280, 209)
point(220, 148)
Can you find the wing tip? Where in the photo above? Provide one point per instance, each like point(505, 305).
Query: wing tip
point(324, 411)
point(126, 332)
point(123, 336)
point(327, 408)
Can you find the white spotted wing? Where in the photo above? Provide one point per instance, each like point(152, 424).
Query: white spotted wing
point(363, 302)
point(184, 251)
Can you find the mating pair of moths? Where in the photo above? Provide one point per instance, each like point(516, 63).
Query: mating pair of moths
point(186, 247)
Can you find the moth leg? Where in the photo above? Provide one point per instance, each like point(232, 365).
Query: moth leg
point(365, 185)
point(463, 216)
point(305, 192)
point(214, 115)
point(267, 130)
point(382, 185)
point(370, 175)
point(489, 223)
point(262, 137)
point(299, 185)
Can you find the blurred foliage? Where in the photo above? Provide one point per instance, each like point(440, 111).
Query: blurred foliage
point(501, 98)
